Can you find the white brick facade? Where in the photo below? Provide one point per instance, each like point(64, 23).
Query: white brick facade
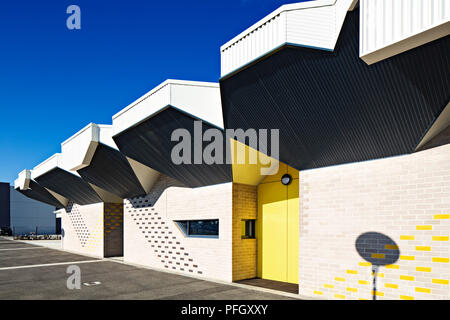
point(82, 229)
point(152, 238)
point(406, 198)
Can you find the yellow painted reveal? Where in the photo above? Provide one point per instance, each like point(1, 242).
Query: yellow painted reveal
point(247, 164)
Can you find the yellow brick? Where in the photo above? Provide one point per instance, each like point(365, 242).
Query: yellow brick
point(329, 286)
point(391, 247)
point(352, 289)
point(391, 285)
point(445, 260)
point(423, 248)
point(423, 269)
point(318, 292)
point(424, 227)
point(363, 282)
point(378, 255)
point(378, 293)
point(365, 264)
point(379, 275)
point(339, 279)
point(406, 297)
point(352, 272)
point(423, 290)
point(392, 266)
point(339, 296)
point(407, 258)
point(362, 299)
point(440, 281)
point(440, 238)
point(407, 237)
point(441, 216)
point(409, 278)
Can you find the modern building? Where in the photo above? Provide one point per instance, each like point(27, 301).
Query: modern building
point(23, 215)
point(353, 97)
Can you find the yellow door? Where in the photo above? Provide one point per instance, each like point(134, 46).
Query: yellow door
point(293, 230)
point(278, 229)
point(273, 234)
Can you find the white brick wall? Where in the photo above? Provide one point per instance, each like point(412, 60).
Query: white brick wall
point(149, 220)
point(405, 197)
point(83, 229)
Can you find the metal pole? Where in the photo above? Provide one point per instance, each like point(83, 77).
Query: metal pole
point(375, 271)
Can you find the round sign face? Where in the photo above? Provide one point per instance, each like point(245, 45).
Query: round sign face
point(286, 179)
point(377, 248)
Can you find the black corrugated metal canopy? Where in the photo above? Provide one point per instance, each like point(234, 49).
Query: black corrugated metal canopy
point(110, 170)
point(149, 142)
point(69, 186)
point(39, 193)
point(332, 108)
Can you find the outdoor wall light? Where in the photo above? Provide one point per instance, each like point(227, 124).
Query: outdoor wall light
point(286, 179)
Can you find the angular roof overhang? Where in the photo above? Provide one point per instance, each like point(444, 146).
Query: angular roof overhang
point(311, 24)
point(390, 28)
point(93, 154)
point(31, 189)
point(143, 130)
point(150, 143)
point(332, 108)
point(199, 99)
point(52, 175)
point(110, 170)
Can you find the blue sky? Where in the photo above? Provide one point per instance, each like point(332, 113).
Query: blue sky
point(54, 81)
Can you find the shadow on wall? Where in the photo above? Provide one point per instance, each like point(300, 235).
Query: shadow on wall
point(163, 183)
point(379, 250)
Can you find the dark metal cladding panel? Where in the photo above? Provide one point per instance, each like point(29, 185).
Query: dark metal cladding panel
point(5, 205)
point(41, 194)
point(69, 185)
point(332, 108)
point(150, 143)
point(110, 170)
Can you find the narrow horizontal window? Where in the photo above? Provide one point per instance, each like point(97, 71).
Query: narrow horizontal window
point(199, 228)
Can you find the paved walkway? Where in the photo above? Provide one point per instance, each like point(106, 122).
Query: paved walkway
point(35, 272)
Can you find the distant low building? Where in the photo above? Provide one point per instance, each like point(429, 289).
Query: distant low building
point(24, 215)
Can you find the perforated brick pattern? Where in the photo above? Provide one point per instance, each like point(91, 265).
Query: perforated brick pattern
point(78, 223)
point(160, 236)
